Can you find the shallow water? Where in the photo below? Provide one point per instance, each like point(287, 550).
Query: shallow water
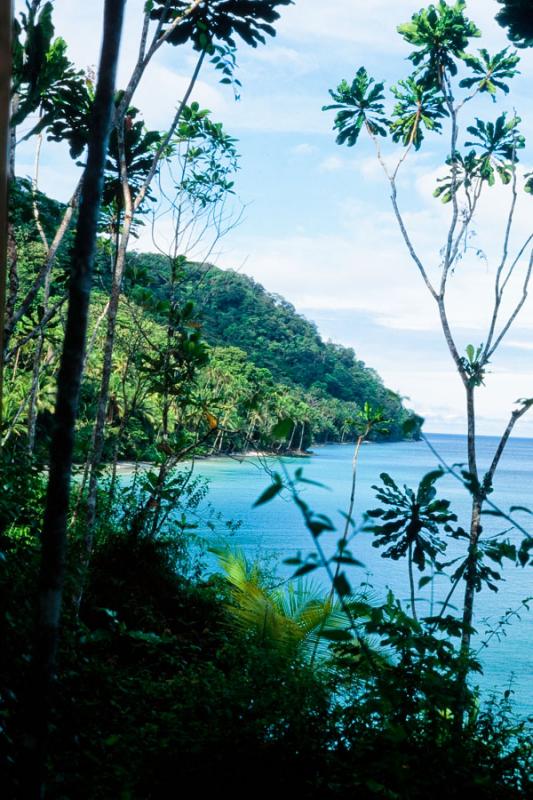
point(275, 530)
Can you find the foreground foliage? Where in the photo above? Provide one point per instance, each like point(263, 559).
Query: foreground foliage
point(167, 676)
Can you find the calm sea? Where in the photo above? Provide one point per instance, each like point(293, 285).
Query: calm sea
point(274, 531)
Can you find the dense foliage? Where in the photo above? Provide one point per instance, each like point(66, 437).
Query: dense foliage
point(174, 674)
point(224, 380)
point(327, 379)
point(169, 670)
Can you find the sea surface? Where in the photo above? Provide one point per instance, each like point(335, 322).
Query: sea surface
point(274, 531)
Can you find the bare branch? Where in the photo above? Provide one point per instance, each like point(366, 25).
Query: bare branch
point(409, 244)
point(92, 340)
point(461, 236)
point(449, 338)
point(394, 198)
point(409, 145)
point(144, 36)
point(43, 322)
point(447, 262)
point(168, 136)
point(34, 190)
point(144, 59)
point(498, 290)
point(515, 416)
point(47, 264)
point(516, 310)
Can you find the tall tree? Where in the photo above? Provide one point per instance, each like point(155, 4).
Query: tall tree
point(53, 542)
point(431, 100)
point(6, 16)
point(211, 28)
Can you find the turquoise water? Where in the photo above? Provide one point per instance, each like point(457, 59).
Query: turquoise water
point(275, 530)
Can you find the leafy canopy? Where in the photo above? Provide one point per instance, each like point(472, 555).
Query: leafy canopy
point(217, 20)
point(410, 520)
point(424, 99)
point(359, 103)
point(517, 17)
point(441, 34)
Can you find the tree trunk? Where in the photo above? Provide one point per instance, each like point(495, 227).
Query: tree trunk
point(470, 574)
point(300, 446)
point(289, 446)
point(54, 543)
point(36, 375)
point(103, 398)
point(6, 24)
point(475, 520)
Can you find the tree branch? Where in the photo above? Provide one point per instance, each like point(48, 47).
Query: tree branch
point(515, 416)
point(516, 311)
point(168, 136)
point(26, 303)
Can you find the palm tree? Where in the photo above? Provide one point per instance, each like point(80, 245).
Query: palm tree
point(293, 617)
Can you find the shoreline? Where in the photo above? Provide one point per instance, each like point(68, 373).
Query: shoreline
point(128, 465)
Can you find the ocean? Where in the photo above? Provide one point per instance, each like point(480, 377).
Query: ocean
point(274, 531)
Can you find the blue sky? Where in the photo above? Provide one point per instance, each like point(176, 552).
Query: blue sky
point(317, 225)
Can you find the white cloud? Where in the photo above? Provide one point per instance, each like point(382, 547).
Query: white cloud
point(304, 149)
point(520, 345)
point(331, 164)
point(280, 58)
point(159, 95)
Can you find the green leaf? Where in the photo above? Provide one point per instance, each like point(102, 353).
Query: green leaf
point(358, 104)
point(525, 509)
point(341, 585)
point(269, 494)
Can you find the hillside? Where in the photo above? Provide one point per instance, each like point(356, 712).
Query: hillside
point(237, 312)
point(205, 360)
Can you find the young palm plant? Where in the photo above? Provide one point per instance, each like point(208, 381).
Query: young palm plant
point(295, 617)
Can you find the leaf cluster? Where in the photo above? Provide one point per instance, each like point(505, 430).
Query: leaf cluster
point(45, 81)
point(517, 17)
point(410, 521)
point(139, 150)
point(417, 105)
point(218, 21)
point(494, 147)
point(490, 72)
point(440, 33)
point(357, 104)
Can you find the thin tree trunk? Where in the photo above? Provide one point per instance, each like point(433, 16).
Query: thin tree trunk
point(6, 18)
point(97, 447)
point(300, 446)
point(54, 544)
point(130, 207)
point(475, 521)
point(411, 580)
point(36, 375)
point(289, 446)
point(470, 574)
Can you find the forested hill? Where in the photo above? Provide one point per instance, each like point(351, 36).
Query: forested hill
point(203, 360)
point(236, 311)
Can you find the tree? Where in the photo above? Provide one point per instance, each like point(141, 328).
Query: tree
point(211, 28)
point(53, 538)
point(447, 77)
point(517, 17)
point(5, 82)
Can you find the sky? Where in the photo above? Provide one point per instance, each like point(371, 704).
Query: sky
point(317, 225)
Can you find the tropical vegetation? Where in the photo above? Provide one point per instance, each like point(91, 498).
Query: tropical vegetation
point(137, 654)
